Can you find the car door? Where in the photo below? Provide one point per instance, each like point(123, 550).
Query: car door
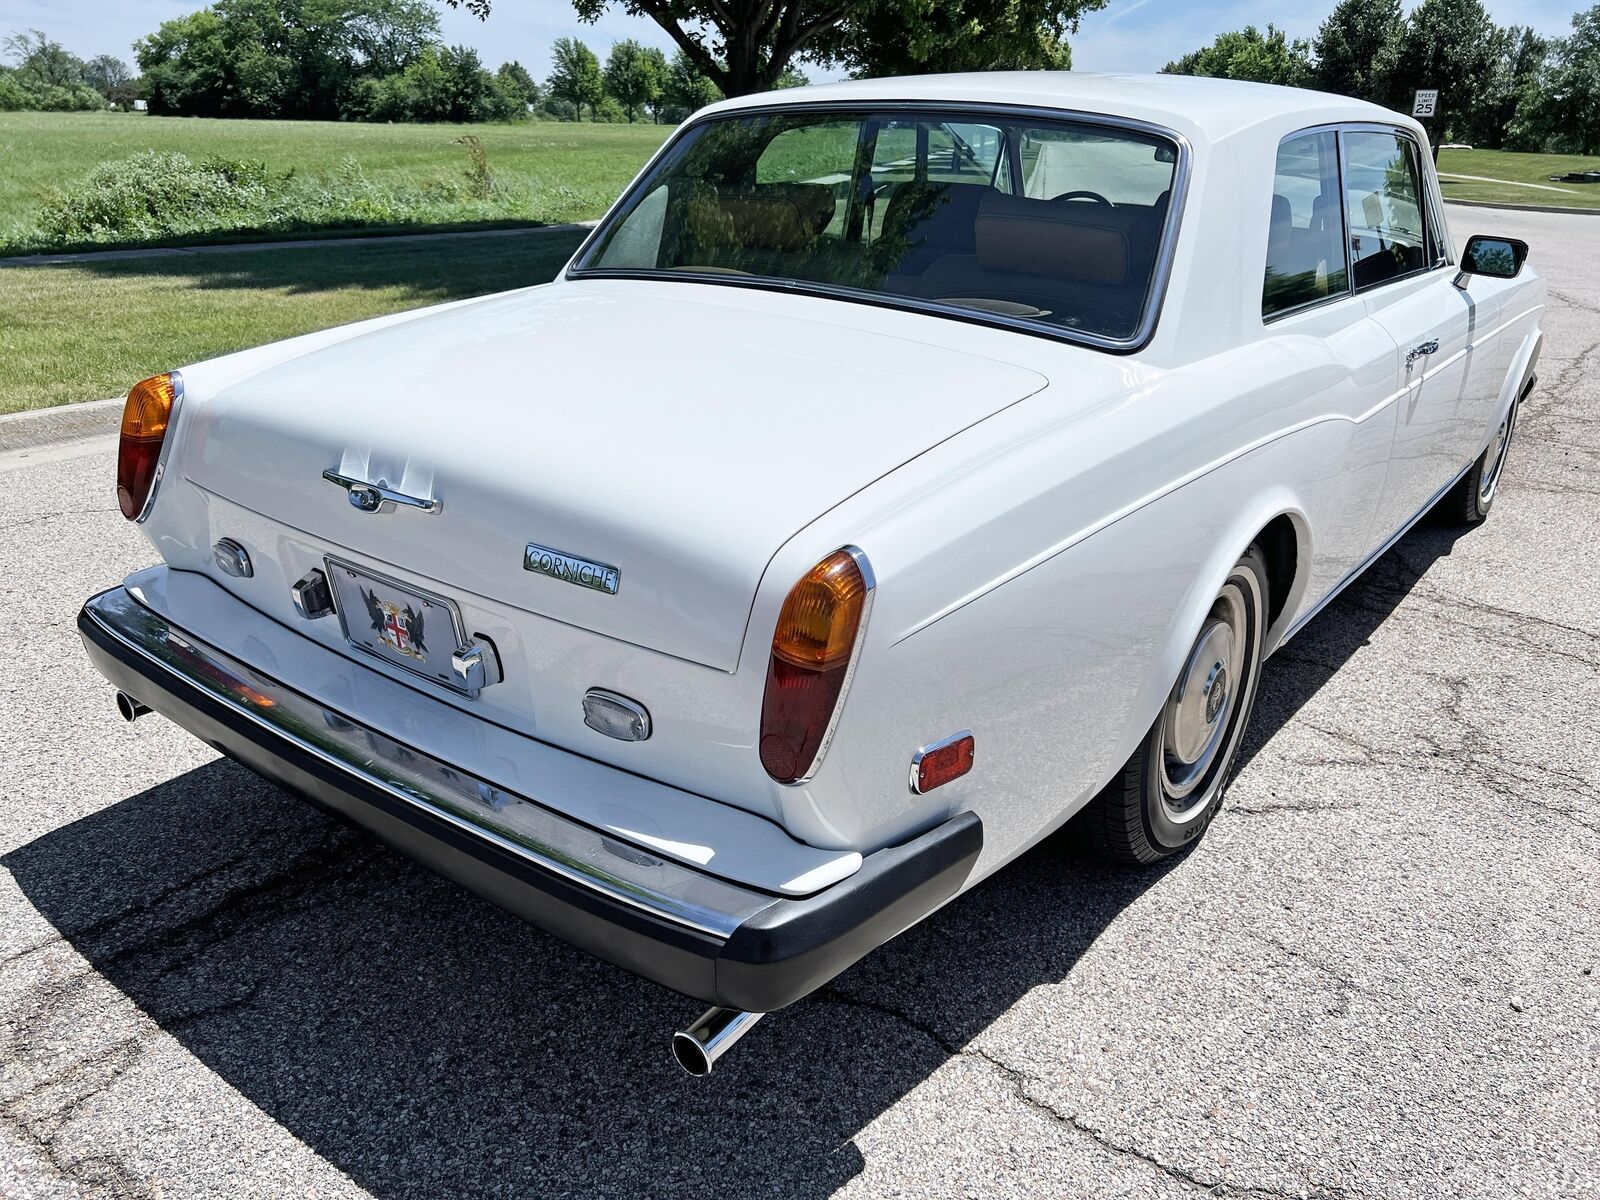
point(1400, 264)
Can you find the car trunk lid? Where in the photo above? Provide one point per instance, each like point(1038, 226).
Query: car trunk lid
point(645, 428)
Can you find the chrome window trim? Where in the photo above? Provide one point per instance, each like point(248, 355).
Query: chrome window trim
point(166, 445)
point(1155, 296)
point(1344, 225)
point(1424, 209)
point(871, 582)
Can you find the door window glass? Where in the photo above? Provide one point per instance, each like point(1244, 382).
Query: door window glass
point(1383, 196)
point(1305, 236)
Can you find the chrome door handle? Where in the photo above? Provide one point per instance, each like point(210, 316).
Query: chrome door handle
point(371, 497)
point(1422, 350)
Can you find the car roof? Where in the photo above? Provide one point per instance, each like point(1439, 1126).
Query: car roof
point(1202, 109)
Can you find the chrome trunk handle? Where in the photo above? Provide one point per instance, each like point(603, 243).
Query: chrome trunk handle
point(371, 497)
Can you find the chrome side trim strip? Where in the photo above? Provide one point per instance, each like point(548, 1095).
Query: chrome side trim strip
point(1356, 571)
point(598, 862)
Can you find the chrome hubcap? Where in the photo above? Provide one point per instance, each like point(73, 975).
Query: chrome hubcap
point(1496, 459)
point(1194, 726)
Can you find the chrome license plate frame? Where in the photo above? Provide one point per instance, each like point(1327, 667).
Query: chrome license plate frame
point(397, 623)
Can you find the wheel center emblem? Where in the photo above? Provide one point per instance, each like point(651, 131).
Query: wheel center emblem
point(1216, 692)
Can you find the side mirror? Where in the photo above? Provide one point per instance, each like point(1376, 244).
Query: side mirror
point(1495, 257)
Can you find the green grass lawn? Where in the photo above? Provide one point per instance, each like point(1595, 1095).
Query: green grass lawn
point(84, 331)
point(1518, 169)
point(560, 172)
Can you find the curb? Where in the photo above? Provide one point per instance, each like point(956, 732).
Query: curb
point(64, 423)
point(1544, 208)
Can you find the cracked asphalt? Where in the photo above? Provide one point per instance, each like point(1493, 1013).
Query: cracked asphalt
point(1375, 977)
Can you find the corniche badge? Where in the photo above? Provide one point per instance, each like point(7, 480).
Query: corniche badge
point(569, 568)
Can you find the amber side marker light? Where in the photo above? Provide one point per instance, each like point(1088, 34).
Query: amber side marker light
point(813, 652)
point(145, 418)
point(936, 765)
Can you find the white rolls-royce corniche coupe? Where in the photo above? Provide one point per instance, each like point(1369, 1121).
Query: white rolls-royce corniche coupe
point(901, 469)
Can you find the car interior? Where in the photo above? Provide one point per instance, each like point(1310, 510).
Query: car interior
point(944, 223)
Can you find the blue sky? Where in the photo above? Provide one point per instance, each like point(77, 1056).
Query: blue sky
point(1128, 35)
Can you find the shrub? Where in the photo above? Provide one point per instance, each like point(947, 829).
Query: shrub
point(150, 196)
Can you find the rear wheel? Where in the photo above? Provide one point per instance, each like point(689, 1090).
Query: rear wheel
point(1468, 502)
point(1167, 794)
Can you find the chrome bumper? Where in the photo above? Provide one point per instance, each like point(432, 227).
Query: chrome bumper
point(707, 937)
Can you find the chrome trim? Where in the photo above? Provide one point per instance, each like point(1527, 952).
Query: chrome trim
point(1155, 298)
point(1355, 572)
point(371, 497)
point(166, 445)
point(871, 582)
point(916, 759)
point(602, 863)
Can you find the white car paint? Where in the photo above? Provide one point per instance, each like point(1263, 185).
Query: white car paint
point(1047, 522)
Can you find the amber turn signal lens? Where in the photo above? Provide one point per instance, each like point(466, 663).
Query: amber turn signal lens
point(817, 627)
point(144, 429)
point(811, 650)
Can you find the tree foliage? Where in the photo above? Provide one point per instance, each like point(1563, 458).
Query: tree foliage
point(46, 76)
point(745, 46)
point(1356, 48)
point(634, 75)
point(1250, 54)
point(1559, 106)
point(289, 58)
point(575, 75)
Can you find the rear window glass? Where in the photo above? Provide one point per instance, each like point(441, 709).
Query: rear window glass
point(1056, 223)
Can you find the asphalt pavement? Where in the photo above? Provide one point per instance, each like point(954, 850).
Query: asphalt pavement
point(1375, 977)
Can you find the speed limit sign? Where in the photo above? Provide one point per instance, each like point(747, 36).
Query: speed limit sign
point(1425, 102)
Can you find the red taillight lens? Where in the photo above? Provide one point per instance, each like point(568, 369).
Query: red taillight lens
point(811, 652)
point(144, 428)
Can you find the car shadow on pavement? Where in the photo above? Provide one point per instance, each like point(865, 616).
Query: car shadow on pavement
point(426, 1044)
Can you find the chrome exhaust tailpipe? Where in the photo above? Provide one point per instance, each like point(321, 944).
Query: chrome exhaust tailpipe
point(130, 708)
point(697, 1047)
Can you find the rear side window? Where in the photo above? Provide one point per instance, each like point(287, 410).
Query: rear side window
point(1305, 239)
point(1383, 196)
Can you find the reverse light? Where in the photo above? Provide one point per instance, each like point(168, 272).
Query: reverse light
point(813, 653)
point(145, 418)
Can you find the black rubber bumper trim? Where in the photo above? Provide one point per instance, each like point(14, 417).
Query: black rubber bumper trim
point(783, 952)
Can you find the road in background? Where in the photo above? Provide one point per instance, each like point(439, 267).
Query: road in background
point(1375, 977)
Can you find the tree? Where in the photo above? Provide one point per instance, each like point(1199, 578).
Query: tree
point(633, 76)
point(1356, 48)
point(1559, 109)
point(575, 75)
point(292, 58)
point(1250, 54)
point(42, 62)
point(1451, 45)
point(968, 35)
point(744, 46)
point(514, 80)
point(686, 88)
point(106, 73)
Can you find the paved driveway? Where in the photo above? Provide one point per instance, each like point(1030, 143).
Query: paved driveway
point(1375, 977)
